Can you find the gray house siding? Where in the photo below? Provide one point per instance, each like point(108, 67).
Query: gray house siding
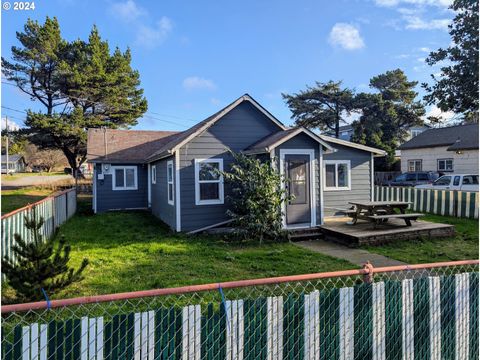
point(360, 182)
point(303, 141)
point(108, 199)
point(238, 129)
point(159, 193)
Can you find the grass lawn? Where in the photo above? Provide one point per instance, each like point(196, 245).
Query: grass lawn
point(17, 176)
point(463, 246)
point(135, 251)
point(15, 199)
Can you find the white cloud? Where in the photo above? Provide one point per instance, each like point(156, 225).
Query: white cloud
point(215, 101)
point(12, 126)
point(417, 23)
point(424, 49)
point(436, 112)
point(127, 11)
point(198, 83)
point(151, 36)
point(347, 36)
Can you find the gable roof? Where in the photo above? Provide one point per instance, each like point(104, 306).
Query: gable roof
point(270, 142)
point(374, 151)
point(11, 158)
point(182, 138)
point(459, 137)
point(124, 146)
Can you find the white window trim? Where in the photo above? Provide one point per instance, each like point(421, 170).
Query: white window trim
point(336, 163)
point(445, 162)
point(170, 202)
point(153, 172)
point(123, 188)
point(414, 160)
point(220, 200)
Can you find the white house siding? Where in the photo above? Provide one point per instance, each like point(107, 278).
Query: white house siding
point(467, 162)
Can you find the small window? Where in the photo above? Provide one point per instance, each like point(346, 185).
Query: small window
point(170, 181)
point(208, 181)
point(423, 177)
point(456, 181)
point(415, 132)
point(154, 174)
point(337, 175)
point(443, 181)
point(411, 177)
point(445, 165)
point(470, 180)
point(414, 165)
point(124, 178)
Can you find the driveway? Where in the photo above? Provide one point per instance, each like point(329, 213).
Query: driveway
point(27, 181)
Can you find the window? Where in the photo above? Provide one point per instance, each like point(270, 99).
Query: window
point(470, 180)
point(456, 181)
point(124, 178)
point(154, 174)
point(170, 181)
point(414, 165)
point(443, 181)
point(445, 164)
point(208, 181)
point(422, 176)
point(337, 175)
point(415, 132)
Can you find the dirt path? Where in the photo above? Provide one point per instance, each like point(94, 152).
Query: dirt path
point(32, 181)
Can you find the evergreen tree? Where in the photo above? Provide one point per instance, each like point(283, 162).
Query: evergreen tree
point(39, 265)
point(456, 88)
point(80, 84)
point(323, 106)
point(388, 113)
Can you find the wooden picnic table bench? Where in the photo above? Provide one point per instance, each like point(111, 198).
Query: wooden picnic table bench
point(381, 211)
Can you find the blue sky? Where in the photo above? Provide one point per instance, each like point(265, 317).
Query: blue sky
point(195, 57)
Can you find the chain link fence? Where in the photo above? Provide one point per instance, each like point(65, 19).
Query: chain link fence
point(407, 312)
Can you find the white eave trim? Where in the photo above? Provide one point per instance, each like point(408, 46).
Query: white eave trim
point(374, 151)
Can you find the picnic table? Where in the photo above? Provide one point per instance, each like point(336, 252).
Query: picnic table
point(381, 211)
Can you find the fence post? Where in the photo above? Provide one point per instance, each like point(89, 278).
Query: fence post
point(368, 277)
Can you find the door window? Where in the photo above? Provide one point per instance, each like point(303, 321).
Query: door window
point(297, 170)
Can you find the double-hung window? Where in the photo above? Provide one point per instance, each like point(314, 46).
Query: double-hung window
point(124, 178)
point(154, 174)
point(208, 181)
point(414, 165)
point(445, 165)
point(337, 175)
point(170, 181)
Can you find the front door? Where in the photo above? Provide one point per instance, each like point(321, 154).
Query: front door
point(297, 173)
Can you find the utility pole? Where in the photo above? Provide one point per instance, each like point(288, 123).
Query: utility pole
point(6, 145)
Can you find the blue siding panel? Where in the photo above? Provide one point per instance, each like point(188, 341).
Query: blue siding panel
point(159, 196)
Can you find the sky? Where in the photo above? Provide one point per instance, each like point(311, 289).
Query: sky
point(195, 57)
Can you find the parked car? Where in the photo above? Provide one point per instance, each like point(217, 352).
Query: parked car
point(463, 182)
point(413, 178)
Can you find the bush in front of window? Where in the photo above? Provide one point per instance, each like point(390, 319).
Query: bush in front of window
point(256, 197)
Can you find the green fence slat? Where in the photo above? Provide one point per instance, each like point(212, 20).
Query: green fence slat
point(59, 341)
point(77, 334)
point(393, 320)
point(122, 337)
point(17, 342)
point(421, 316)
point(329, 324)
point(447, 304)
point(108, 341)
point(463, 200)
point(474, 312)
point(69, 339)
point(130, 336)
point(51, 340)
point(8, 351)
point(115, 337)
point(363, 321)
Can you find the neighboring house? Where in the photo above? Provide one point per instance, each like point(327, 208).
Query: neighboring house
point(16, 163)
point(346, 132)
point(172, 174)
point(449, 149)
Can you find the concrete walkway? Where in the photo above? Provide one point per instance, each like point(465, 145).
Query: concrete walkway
point(355, 256)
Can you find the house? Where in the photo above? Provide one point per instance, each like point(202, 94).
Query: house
point(171, 173)
point(448, 149)
point(16, 163)
point(346, 132)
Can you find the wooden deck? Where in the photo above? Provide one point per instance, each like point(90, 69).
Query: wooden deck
point(337, 229)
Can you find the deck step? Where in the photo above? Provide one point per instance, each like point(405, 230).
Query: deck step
point(305, 235)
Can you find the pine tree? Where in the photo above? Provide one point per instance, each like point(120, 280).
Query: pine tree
point(39, 264)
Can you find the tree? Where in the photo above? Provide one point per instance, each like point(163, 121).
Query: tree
point(388, 113)
point(80, 84)
point(323, 106)
point(46, 160)
point(456, 88)
point(256, 197)
point(39, 264)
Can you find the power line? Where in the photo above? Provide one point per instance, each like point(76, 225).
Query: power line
point(101, 104)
